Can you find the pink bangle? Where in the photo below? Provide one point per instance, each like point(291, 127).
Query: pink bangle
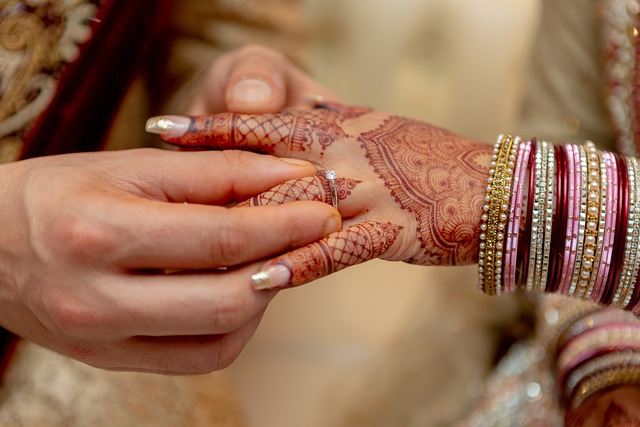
point(573, 215)
point(515, 216)
point(610, 217)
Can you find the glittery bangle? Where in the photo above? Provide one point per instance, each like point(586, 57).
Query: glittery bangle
point(598, 340)
point(590, 320)
point(550, 196)
point(515, 216)
point(572, 212)
point(610, 217)
point(576, 383)
point(629, 268)
point(539, 231)
point(524, 240)
point(633, 239)
point(575, 277)
point(495, 216)
point(588, 261)
point(622, 224)
point(603, 381)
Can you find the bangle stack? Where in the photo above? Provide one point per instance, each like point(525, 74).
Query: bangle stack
point(562, 219)
point(596, 352)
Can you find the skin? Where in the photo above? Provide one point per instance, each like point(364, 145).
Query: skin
point(408, 191)
point(419, 202)
point(88, 240)
point(616, 408)
point(290, 87)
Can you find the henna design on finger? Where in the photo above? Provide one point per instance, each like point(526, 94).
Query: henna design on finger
point(617, 416)
point(441, 184)
point(311, 188)
point(279, 134)
point(578, 417)
point(353, 245)
point(268, 133)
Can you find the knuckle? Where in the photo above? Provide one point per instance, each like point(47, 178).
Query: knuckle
point(229, 246)
point(84, 239)
point(85, 353)
point(70, 317)
point(230, 313)
point(259, 50)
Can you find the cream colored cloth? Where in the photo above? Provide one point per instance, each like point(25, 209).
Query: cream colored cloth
point(565, 98)
point(43, 389)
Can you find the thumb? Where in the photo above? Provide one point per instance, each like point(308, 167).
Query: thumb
point(256, 84)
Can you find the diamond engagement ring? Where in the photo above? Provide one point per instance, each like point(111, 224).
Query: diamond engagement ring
point(331, 179)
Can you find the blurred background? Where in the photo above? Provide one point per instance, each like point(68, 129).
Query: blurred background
point(456, 63)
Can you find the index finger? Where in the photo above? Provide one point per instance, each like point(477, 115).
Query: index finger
point(305, 134)
point(215, 178)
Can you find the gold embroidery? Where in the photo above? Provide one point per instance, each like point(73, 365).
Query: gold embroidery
point(621, 19)
point(37, 37)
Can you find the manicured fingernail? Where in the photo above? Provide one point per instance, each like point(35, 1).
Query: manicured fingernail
point(274, 277)
point(333, 224)
point(296, 162)
point(313, 99)
point(251, 91)
point(174, 126)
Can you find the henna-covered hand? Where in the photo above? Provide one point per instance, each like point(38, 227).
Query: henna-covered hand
point(408, 191)
point(619, 407)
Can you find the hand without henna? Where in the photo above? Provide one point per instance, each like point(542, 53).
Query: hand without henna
point(254, 79)
point(86, 239)
point(412, 192)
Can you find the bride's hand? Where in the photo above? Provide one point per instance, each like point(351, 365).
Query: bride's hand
point(408, 191)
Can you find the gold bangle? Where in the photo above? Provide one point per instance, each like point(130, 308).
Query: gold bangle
point(604, 380)
point(494, 218)
point(588, 260)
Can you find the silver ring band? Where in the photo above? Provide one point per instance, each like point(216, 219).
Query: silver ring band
point(331, 179)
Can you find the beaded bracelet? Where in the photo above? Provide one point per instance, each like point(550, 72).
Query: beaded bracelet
point(495, 214)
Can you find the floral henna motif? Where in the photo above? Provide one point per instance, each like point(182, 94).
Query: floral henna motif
point(442, 184)
point(351, 246)
point(313, 188)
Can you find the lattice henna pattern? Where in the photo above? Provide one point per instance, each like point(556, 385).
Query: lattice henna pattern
point(280, 134)
point(351, 246)
point(312, 188)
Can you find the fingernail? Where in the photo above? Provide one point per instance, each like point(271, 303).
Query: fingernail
point(313, 99)
point(251, 91)
point(296, 162)
point(333, 224)
point(174, 126)
point(274, 277)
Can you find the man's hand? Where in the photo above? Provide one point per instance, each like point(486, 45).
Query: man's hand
point(87, 241)
point(254, 79)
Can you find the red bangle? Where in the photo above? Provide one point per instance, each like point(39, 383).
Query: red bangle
point(559, 224)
